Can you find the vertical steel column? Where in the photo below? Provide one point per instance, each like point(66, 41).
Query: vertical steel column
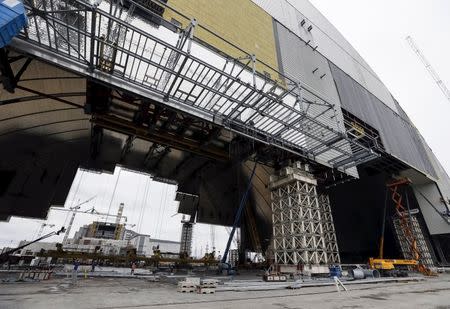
point(92, 43)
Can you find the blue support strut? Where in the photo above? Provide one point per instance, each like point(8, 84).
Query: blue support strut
point(237, 218)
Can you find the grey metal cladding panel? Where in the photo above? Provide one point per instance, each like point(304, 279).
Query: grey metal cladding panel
point(399, 137)
point(400, 111)
point(298, 61)
point(352, 98)
point(435, 223)
point(328, 40)
point(443, 180)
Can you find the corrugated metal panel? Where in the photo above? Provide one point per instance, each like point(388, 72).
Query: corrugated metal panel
point(443, 180)
point(400, 111)
point(435, 223)
point(399, 137)
point(300, 62)
point(328, 40)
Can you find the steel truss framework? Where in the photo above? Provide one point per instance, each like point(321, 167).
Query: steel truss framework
point(186, 238)
point(102, 42)
point(425, 257)
point(303, 228)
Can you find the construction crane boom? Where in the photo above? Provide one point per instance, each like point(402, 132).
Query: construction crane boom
point(429, 68)
point(5, 255)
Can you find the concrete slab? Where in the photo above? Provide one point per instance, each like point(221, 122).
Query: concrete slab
point(118, 293)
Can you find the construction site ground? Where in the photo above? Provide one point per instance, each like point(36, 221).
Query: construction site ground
point(109, 293)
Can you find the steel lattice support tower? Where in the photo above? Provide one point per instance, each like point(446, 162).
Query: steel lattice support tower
point(331, 244)
point(186, 238)
point(422, 246)
point(303, 229)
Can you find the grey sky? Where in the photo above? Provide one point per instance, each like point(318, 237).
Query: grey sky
point(377, 29)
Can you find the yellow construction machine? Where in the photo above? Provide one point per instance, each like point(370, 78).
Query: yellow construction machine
point(387, 267)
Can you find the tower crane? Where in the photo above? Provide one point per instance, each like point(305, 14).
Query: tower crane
point(429, 68)
point(74, 210)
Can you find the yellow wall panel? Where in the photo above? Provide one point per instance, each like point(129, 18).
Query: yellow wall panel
point(238, 21)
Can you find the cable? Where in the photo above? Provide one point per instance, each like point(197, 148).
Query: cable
point(143, 201)
point(133, 209)
point(113, 193)
point(159, 211)
point(163, 211)
point(73, 197)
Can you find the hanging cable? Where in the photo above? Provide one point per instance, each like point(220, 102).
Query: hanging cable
point(143, 202)
point(73, 197)
point(113, 194)
point(159, 210)
point(164, 208)
point(133, 208)
point(171, 199)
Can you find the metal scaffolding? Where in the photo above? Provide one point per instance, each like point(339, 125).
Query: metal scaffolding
point(425, 257)
point(98, 42)
point(303, 229)
point(186, 238)
point(329, 232)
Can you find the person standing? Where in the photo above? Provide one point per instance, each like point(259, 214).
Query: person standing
point(133, 267)
point(76, 264)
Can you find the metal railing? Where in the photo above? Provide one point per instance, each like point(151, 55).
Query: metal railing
point(174, 68)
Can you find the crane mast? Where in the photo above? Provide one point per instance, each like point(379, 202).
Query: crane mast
point(429, 68)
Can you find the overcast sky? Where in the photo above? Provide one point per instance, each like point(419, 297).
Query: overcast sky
point(377, 29)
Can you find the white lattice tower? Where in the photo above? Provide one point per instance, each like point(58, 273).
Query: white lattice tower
point(298, 224)
point(331, 244)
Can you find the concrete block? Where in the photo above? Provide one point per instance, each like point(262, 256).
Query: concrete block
point(202, 290)
point(187, 285)
point(194, 280)
point(186, 290)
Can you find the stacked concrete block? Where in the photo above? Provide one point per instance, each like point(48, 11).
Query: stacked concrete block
point(189, 285)
point(192, 285)
point(207, 286)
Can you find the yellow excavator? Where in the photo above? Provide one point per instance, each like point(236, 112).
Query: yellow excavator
point(389, 267)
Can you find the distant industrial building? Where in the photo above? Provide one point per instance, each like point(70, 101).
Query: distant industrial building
point(145, 245)
point(104, 230)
